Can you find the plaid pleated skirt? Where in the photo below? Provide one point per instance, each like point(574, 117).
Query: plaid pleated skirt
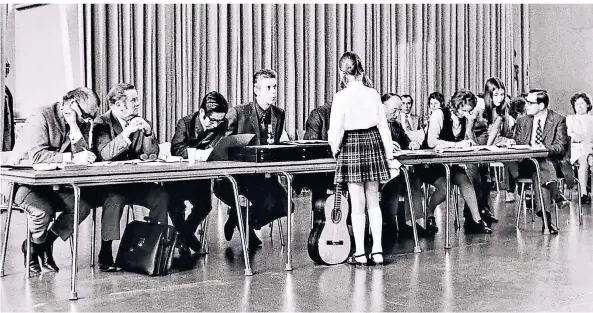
point(361, 157)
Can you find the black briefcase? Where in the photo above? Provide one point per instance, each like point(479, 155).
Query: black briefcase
point(280, 152)
point(147, 248)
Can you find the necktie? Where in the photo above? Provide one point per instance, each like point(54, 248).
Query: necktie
point(539, 133)
point(408, 125)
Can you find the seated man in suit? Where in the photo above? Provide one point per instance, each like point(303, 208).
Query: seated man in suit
point(48, 134)
point(406, 119)
point(264, 119)
point(391, 191)
point(200, 130)
point(8, 138)
point(544, 128)
point(123, 135)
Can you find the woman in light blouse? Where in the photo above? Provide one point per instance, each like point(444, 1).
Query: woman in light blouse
point(447, 129)
point(360, 139)
point(580, 130)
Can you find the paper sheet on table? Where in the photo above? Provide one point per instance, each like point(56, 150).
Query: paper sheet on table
point(472, 148)
point(202, 155)
point(416, 135)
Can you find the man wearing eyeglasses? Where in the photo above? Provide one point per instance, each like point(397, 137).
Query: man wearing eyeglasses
point(544, 128)
point(121, 134)
point(200, 130)
point(49, 134)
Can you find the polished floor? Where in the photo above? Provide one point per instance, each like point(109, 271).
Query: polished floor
point(509, 270)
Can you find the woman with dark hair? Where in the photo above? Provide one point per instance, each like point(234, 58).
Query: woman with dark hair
point(436, 101)
point(580, 130)
point(361, 142)
point(446, 129)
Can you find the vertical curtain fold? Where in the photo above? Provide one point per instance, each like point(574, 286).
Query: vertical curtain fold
point(175, 53)
point(3, 56)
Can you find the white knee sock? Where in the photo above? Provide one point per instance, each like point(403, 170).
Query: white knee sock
point(358, 225)
point(376, 225)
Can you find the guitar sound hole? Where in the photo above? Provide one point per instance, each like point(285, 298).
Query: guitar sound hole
point(334, 243)
point(336, 216)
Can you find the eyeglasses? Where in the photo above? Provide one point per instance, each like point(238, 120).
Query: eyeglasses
point(531, 102)
point(85, 115)
point(213, 120)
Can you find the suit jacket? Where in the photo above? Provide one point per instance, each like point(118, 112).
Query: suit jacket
point(398, 134)
point(189, 133)
point(242, 119)
point(110, 145)
point(318, 123)
point(556, 141)
point(45, 138)
point(415, 121)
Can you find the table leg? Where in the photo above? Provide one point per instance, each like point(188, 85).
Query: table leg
point(74, 270)
point(12, 191)
point(447, 200)
point(541, 197)
point(248, 271)
point(414, 231)
point(288, 221)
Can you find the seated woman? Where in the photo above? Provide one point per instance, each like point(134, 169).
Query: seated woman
point(447, 129)
point(580, 130)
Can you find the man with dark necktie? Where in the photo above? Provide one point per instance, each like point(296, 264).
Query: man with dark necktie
point(544, 128)
point(409, 122)
point(266, 120)
point(121, 134)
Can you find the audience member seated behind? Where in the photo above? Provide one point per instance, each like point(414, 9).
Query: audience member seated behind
point(48, 134)
point(200, 130)
point(546, 129)
point(121, 134)
point(580, 130)
point(391, 192)
point(266, 120)
point(446, 129)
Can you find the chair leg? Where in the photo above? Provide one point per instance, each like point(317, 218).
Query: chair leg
point(496, 176)
point(520, 204)
point(28, 247)
point(93, 234)
point(279, 221)
point(203, 236)
point(580, 204)
point(455, 199)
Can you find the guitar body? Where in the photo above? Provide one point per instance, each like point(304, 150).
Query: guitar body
point(330, 241)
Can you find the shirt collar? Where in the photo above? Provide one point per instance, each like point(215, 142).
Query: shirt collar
point(541, 116)
point(260, 111)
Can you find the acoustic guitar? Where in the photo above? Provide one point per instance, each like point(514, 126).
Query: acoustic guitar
point(330, 239)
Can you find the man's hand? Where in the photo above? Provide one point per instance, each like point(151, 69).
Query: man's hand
point(414, 145)
point(539, 146)
point(396, 147)
point(510, 142)
point(69, 115)
point(142, 124)
point(84, 157)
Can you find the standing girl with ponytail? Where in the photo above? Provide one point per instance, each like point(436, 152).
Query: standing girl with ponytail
point(361, 142)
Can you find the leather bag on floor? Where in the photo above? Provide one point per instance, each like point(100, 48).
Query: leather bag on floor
point(147, 248)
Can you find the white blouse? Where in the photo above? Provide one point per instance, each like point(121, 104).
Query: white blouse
point(358, 107)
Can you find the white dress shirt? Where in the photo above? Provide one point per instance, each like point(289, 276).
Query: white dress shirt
point(358, 107)
point(541, 116)
point(403, 117)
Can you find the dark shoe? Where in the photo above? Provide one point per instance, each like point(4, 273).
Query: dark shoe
point(562, 202)
point(106, 263)
point(487, 216)
point(376, 258)
point(431, 225)
point(185, 261)
point(254, 241)
point(553, 229)
point(47, 258)
point(229, 226)
point(406, 231)
point(34, 261)
point(586, 199)
point(480, 227)
point(357, 260)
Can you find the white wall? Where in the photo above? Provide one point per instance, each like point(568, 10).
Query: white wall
point(561, 51)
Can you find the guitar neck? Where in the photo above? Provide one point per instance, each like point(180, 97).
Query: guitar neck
point(338, 197)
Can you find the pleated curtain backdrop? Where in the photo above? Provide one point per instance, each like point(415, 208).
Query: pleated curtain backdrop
point(176, 53)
